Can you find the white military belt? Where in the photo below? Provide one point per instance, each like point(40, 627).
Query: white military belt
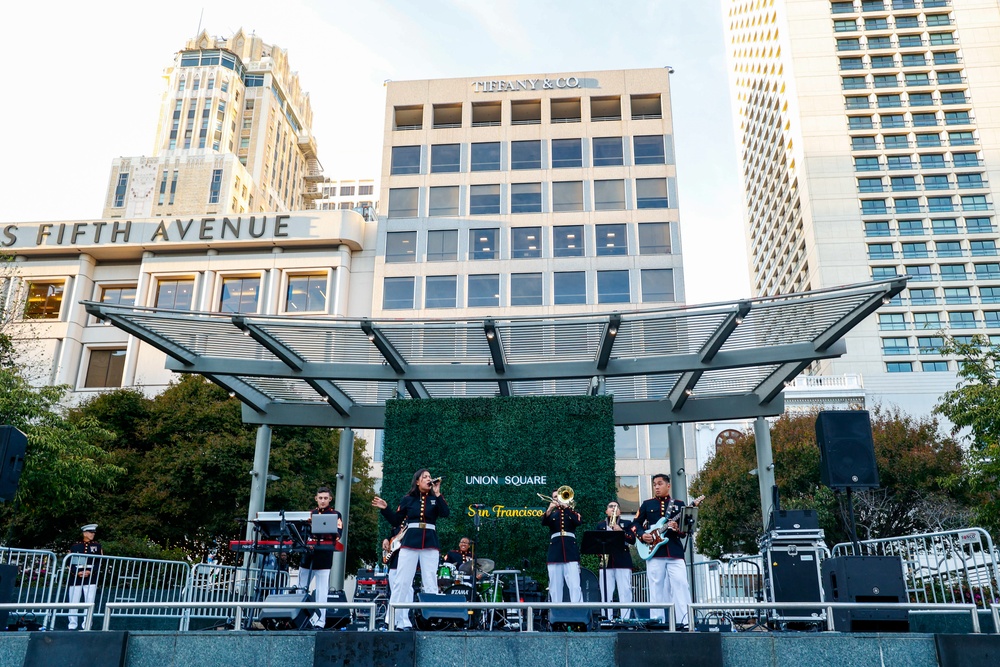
point(425, 526)
point(563, 533)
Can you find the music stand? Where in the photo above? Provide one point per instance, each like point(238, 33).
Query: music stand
point(603, 543)
point(687, 519)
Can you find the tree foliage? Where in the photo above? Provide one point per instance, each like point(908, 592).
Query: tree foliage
point(920, 474)
point(973, 407)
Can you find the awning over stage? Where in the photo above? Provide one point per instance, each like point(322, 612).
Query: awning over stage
point(682, 364)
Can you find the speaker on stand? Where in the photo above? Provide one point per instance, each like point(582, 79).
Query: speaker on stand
point(13, 446)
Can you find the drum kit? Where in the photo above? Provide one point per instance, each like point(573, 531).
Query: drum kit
point(459, 581)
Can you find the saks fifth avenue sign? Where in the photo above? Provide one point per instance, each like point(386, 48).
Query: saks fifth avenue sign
point(513, 85)
point(101, 232)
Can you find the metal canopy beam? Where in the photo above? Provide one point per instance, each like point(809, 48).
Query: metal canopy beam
point(161, 343)
point(241, 390)
point(684, 387)
point(496, 353)
point(269, 342)
point(608, 337)
point(392, 357)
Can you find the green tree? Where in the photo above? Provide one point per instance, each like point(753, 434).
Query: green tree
point(67, 466)
point(974, 407)
point(920, 477)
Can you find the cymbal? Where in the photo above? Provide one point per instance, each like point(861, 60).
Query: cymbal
point(484, 565)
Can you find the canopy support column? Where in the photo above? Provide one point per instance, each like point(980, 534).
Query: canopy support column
point(342, 503)
point(765, 467)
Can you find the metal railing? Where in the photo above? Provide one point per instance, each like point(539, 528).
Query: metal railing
point(737, 581)
point(942, 567)
point(87, 607)
point(213, 583)
point(530, 607)
point(237, 607)
point(36, 573)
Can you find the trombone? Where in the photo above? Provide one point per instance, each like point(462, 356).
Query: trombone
point(564, 497)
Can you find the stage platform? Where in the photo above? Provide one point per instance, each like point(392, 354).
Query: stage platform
point(460, 649)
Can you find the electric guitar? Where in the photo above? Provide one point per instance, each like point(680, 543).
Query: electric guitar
point(394, 544)
point(657, 530)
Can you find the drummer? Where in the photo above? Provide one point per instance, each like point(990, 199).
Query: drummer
point(461, 555)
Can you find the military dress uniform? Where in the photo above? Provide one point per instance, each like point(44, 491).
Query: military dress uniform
point(83, 573)
point(316, 566)
point(666, 571)
point(419, 513)
point(563, 556)
point(393, 562)
point(618, 571)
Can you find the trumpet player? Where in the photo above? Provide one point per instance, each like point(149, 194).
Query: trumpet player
point(418, 511)
point(563, 557)
point(616, 568)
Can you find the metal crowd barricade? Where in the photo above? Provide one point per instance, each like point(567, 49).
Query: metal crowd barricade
point(86, 607)
point(739, 580)
point(122, 579)
point(640, 587)
point(944, 567)
point(36, 576)
point(530, 607)
point(114, 608)
point(213, 583)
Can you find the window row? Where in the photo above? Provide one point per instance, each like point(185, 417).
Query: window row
point(944, 272)
point(900, 120)
point(922, 182)
point(896, 42)
point(303, 293)
point(908, 366)
point(936, 321)
point(895, 81)
point(892, 23)
point(927, 204)
point(526, 112)
point(891, 142)
point(530, 154)
point(912, 249)
point(949, 296)
point(442, 245)
point(497, 199)
point(937, 58)
point(851, 7)
point(923, 161)
point(348, 190)
point(527, 289)
point(896, 100)
point(938, 227)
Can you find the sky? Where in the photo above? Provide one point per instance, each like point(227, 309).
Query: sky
point(84, 84)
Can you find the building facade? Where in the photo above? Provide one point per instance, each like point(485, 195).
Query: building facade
point(233, 137)
point(868, 134)
point(532, 194)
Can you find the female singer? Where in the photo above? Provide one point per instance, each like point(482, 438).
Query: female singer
point(418, 511)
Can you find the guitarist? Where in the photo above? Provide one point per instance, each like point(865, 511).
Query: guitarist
point(666, 571)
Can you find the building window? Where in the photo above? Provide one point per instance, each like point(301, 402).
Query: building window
point(934, 366)
point(608, 152)
point(648, 149)
point(440, 292)
point(105, 369)
point(654, 238)
point(526, 198)
point(567, 196)
point(525, 242)
point(397, 293)
point(484, 243)
point(526, 154)
point(239, 295)
point(567, 241)
point(569, 287)
point(486, 156)
point(486, 114)
point(609, 195)
point(442, 245)
point(895, 346)
point(405, 160)
point(119, 295)
point(44, 300)
point(611, 240)
point(851, 63)
point(400, 247)
point(216, 187)
point(983, 248)
point(409, 118)
point(365, 190)
point(121, 189)
point(565, 111)
point(657, 285)
point(957, 295)
point(445, 158)
point(922, 297)
point(948, 249)
point(403, 202)
point(651, 193)
point(876, 229)
point(484, 200)
point(306, 294)
point(525, 112)
point(882, 272)
point(176, 293)
point(443, 201)
point(962, 320)
point(891, 322)
point(899, 366)
point(866, 164)
point(566, 153)
point(645, 107)
point(484, 290)
point(870, 185)
point(526, 289)
point(978, 225)
point(605, 108)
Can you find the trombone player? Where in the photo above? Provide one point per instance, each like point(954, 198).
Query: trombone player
point(563, 557)
point(617, 567)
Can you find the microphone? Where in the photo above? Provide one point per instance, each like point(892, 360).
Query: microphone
point(478, 506)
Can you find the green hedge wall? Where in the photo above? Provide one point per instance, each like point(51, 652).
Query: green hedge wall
point(568, 440)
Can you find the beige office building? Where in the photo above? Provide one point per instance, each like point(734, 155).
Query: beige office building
point(233, 136)
point(532, 194)
point(868, 133)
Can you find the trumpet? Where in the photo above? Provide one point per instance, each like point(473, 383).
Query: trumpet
point(614, 517)
point(564, 497)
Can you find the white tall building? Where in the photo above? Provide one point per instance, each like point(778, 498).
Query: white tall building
point(532, 194)
point(868, 131)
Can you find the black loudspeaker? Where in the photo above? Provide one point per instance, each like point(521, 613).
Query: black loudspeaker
point(590, 586)
point(13, 445)
point(866, 579)
point(570, 620)
point(793, 520)
point(337, 617)
point(967, 650)
point(286, 619)
point(440, 619)
point(793, 575)
point(8, 574)
point(846, 449)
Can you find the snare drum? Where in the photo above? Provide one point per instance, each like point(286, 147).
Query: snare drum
point(490, 593)
point(446, 575)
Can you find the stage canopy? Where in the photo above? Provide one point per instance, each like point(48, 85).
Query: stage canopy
point(683, 364)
